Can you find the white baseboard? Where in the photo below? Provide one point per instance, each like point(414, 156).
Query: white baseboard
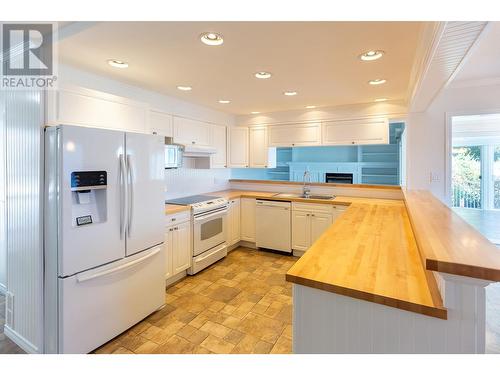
point(20, 341)
point(175, 278)
point(250, 245)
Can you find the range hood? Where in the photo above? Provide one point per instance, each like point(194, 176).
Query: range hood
point(198, 151)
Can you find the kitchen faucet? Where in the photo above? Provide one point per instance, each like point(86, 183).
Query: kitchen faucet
point(306, 190)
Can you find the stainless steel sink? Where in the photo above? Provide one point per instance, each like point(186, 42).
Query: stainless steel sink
point(309, 196)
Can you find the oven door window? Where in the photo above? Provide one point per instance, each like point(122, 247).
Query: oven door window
point(211, 229)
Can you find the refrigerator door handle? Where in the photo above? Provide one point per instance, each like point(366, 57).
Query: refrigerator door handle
point(130, 188)
point(122, 267)
point(123, 195)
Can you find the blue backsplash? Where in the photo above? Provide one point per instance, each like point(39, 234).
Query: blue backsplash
point(373, 164)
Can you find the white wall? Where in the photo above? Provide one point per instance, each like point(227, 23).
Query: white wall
point(426, 146)
point(180, 182)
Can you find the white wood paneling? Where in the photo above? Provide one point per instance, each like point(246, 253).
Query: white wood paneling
point(24, 116)
point(326, 322)
point(261, 156)
point(3, 243)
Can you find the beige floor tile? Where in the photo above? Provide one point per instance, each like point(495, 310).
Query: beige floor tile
point(217, 345)
point(234, 337)
point(146, 348)
point(175, 345)
point(242, 304)
point(122, 350)
point(215, 329)
point(282, 346)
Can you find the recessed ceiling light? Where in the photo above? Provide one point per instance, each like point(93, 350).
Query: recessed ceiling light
point(377, 81)
point(310, 106)
point(290, 93)
point(222, 101)
point(371, 55)
point(381, 99)
point(212, 39)
point(263, 75)
point(118, 63)
point(254, 113)
point(184, 88)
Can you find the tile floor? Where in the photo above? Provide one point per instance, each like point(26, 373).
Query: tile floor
point(7, 346)
point(241, 304)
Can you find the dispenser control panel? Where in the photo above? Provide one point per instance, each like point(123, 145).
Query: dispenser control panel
point(88, 180)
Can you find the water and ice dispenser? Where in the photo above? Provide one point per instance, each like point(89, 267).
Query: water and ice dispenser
point(89, 197)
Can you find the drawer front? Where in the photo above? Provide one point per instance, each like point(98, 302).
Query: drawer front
point(178, 218)
point(312, 207)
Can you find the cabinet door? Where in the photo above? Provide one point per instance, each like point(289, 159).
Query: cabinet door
point(96, 109)
point(169, 251)
point(219, 142)
point(319, 224)
point(235, 224)
point(301, 230)
point(189, 131)
point(248, 219)
point(161, 123)
point(356, 132)
point(295, 135)
point(238, 147)
point(261, 156)
point(182, 247)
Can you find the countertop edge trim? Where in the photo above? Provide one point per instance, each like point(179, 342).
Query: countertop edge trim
point(434, 312)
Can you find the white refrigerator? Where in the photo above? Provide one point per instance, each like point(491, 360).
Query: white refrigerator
point(104, 229)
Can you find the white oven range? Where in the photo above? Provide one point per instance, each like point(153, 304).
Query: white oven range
point(209, 225)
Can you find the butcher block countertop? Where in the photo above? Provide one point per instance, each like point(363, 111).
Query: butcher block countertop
point(370, 253)
point(448, 243)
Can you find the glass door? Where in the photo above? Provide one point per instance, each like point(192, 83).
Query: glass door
point(496, 178)
point(467, 184)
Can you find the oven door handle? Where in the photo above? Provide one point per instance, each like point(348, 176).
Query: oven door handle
point(203, 218)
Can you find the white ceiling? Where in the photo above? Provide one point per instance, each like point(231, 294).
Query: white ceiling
point(317, 59)
point(484, 59)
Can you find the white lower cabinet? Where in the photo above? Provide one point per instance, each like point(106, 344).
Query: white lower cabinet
point(248, 219)
point(310, 221)
point(233, 221)
point(178, 248)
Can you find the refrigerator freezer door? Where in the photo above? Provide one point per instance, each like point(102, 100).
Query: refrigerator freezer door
point(89, 230)
point(146, 178)
point(99, 304)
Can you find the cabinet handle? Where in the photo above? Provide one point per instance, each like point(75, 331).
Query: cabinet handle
point(171, 230)
point(174, 219)
point(312, 214)
point(353, 142)
point(193, 142)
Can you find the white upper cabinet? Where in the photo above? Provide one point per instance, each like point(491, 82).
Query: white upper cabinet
point(356, 132)
point(187, 131)
point(261, 156)
point(161, 123)
point(96, 109)
point(238, 147)
point(219, 136)
point(295, 135)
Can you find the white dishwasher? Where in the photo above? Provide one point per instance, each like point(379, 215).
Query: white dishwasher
point(273, 228)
